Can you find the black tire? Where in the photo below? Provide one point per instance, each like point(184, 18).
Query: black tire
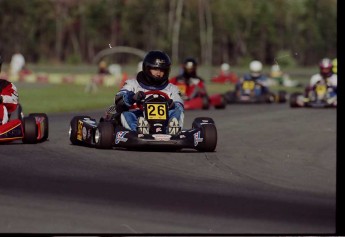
point(205, 103)
point(293, 99)
point(30, 130)
point(209, 142)
point(105, 131)
point(197, 121)
point(230, 97)
point(270, 97)
point(282, 96)
point(45, 124)
point(222, 105)
point(74, 129)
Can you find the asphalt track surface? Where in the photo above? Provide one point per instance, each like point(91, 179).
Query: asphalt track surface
point(273, 172)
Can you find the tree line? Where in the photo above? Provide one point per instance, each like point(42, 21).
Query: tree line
point(212, 31)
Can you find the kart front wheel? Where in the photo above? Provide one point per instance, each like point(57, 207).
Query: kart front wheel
point(199, 121)
point(73, 129)
point(104, 135)
point(293, 99)
point(30, 130)
point(270, 98)
point(209, 135)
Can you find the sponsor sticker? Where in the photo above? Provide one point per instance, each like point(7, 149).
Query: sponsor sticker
point(197, 138)
point(120, 137)
point(79, 130)
point(161, 137)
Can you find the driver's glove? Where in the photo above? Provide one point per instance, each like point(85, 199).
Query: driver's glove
point(171, 104)
point(139, 96)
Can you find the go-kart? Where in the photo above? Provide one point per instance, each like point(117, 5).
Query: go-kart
point(251, 91)
point(218, 101)
point(109, 132)
point(319, 96)
point(201, 100)
point(30, 129)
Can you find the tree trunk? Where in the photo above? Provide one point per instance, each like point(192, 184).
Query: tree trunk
point(176, 31)
point(209, 33)
point(202, 31)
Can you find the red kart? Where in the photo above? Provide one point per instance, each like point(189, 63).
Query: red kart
point(30, 129)
point(225, 78)
point(204, 102)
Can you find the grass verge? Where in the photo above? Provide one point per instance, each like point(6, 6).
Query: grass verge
point(63, 98)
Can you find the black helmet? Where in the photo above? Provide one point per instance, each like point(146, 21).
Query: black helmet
point(159, 60)
point(189, 67)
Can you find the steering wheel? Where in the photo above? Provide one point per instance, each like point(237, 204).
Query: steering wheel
point(158, 93)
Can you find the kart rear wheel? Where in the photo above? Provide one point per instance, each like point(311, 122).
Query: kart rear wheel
point(282, 96)
point(30, 130)
point(45, 124)
point(209, 142)
point(222, 105)
point(74, 129)
point(205, 103)
point(197, 123)
point(230, 97)
point(104, 135)
point(293, 99)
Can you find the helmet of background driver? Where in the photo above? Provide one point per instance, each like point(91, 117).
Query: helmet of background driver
point(225, 67)
point(326, 67)
point(189, 67)
point(255, 68)
point(156, 60)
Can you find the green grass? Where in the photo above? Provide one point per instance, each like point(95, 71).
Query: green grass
point(63, 98)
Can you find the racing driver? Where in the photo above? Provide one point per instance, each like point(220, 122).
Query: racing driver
point(153, 77)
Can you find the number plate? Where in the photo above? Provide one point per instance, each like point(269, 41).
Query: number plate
point(248, 85)
point(320, 90)
point(156, 111)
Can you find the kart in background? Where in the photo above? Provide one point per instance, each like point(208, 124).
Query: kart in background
point(201, 100)
point(251, 92)
point(29, 129)
point(109, 132)
point(217, 101)
point(319, 96)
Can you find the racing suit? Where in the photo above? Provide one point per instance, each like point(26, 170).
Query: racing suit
point(125, 103)
point(8, 100)
point(190, 87)
point(331, 82)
